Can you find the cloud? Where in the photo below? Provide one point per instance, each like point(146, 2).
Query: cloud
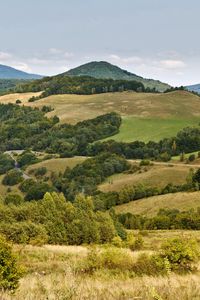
point(126, 60)
point(5, 56)
point(55, 51)
point(172, 64)
point(22, 67)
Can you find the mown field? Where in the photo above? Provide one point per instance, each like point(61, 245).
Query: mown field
point(150, 206)
point(50, 273)
point(146, 116)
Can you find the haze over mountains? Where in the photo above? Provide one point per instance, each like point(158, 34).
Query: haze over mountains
point(95, 69)
point(194, 88)
point(7, 72)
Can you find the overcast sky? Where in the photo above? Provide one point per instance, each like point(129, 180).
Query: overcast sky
point(154, 38)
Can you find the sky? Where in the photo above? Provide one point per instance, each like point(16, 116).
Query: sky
point(153, 38)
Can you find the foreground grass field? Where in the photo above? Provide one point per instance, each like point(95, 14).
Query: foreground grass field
point(146, 116)
point(50, 274)
point(150, 206)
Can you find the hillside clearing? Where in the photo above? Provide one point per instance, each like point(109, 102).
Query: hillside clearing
point(150, 206)
point(58, 164)
point(156, 176)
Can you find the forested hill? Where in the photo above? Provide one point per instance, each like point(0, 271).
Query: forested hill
point(104, 70)
point(83, 85)
point(7, 72)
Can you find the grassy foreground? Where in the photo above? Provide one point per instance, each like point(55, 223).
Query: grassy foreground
point(51, 274)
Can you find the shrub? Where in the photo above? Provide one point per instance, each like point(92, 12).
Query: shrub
point(13, 199)
point(25, 232)
point(117, 242)
point(10, 272)
point(134, 243)
point(18, 101)
point(191, 157)
point(12, 177)
point(145, 162)
point(149, 265)
point(40, 171)
point(181, 254)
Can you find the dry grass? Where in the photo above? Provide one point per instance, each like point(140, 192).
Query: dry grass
point(23, 97)
point(69, 286)
point(58, 164)
point(74, 108)
point(156, 176)
point(51, 276)
point(150, 206)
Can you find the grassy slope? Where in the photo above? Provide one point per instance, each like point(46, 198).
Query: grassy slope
point(57, 164)
point(11, 98)
point(145, 116)
point(150, 206)
point(155, 176)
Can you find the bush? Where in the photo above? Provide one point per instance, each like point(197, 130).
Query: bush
point(10, 272)
point(134, 243)
point(40, 171)
point(18, 101)
point(110, 258)
point(191, 157)
point(181, 254)
point(117, 242)
point(150, 265)
point(25, 232)
point(145, 162)
point(13, 199)
point(12, 177)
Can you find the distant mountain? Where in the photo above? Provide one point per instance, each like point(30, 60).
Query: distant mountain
point(103, 69)
point(7, 72)
point(194, 88)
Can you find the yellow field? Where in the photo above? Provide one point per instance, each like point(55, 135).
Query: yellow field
point(156, 176)
point(23, 97)
point(150, 206)
point(74, 108)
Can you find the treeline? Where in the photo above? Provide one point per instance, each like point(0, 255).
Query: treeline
point(104, 201)
point(84, 178)
point(165, 219)
point(24, 127)
point(54, 220)
point(187, 140)
point(81, 85)
point(7, 85)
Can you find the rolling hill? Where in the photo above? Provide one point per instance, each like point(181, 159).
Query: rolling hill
point(145, 116)
point(150, 206)
point(194, 88)
point(103, 69)
point(7, 72)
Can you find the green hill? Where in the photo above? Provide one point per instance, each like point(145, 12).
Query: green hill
point(104, 69)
